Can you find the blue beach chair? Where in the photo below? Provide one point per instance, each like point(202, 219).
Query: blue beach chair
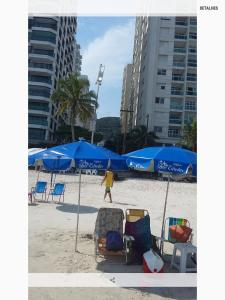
point(39, 188)
point(57, 190)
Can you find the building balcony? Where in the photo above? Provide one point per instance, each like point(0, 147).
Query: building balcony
point(40, 66)
point(180, 36)
point(190, 108)
point(192, 50)
point(41, 79)
point(191, 93)
point(177, 92)
point(44, 25)
point(38, 107)
point(191, 78)
point(175, 121)
point(43, 40)
point(192, 64)
point(193, 22)
point(38, 122)
point(180, 50)
point(177, 78)
point(38, 93)
point(176, 106)
point(193, 36)
point(174, 134)
point(41, 52)
point(181, 23)
point(178, 64)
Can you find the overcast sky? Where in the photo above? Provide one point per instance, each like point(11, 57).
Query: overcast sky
point(108, 41)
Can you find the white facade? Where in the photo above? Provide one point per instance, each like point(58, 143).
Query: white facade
point(165, 75)
point(51, 56)
point(126, 98)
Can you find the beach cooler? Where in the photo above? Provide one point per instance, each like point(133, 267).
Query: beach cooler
point(152, 262)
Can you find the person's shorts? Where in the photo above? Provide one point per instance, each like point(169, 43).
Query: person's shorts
point(107, 189)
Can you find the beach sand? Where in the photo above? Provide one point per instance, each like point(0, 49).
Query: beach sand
point(52, 232)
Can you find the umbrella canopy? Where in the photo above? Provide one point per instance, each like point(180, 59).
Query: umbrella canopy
point(51, 159)
point(90, 156)
point(172, 160)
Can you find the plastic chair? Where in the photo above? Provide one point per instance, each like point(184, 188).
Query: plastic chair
point(185, 249)
point(40, 188)
point(57, 190)
point(166, 236)
point(110, 219)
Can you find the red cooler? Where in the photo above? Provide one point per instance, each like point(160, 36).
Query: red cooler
point(152, 262)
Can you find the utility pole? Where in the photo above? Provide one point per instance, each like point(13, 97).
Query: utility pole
point(125, 129)
point(98, 82)
point(147, 117)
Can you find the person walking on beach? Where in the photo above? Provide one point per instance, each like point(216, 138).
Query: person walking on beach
point(108, 179)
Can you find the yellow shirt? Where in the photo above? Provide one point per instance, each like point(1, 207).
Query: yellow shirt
point(109, 179)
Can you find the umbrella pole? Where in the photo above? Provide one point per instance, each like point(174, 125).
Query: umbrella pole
point(164, 214)
point(78, 209)
point(51, 178)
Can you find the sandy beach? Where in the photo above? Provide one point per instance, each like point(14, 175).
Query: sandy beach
point(52, 232)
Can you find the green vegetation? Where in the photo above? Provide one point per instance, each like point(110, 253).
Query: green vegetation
point(189, 139)
point(73, 98)
point(137, 138)
point(63, 134)
point(108, 126)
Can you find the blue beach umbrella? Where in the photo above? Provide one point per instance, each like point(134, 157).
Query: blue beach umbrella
point(84, 156)
point(167, 160)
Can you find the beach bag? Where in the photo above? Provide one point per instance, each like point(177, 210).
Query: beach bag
point(114, 242)
point(152, 262)
point(180, 233)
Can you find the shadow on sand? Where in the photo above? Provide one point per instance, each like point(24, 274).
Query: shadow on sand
point(72, 208)
point(117, 265)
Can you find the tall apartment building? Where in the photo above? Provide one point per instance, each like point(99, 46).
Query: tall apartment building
point(51, 44)
point(164, 93)
point(126, 99)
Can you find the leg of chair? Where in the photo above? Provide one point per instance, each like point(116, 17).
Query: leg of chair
point(183, 261)
point(173, 257)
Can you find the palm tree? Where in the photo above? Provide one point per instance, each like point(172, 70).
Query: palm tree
point(140, 137)
point(72, 97)
point(190, 136)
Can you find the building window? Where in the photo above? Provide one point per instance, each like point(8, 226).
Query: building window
point(190, 105)
point(162, 87)
point(36, 134)
point(157, 129)
point(165, 19)
point(159, 100)
point(161, 72)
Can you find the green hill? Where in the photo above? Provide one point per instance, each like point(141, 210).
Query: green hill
point(108, 126)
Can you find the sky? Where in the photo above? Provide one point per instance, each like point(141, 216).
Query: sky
point(108, 41)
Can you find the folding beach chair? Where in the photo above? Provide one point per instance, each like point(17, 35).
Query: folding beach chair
point(40, 188)
point(138, 226)
point(57, 190)
point(166, 236)
point(111, 219)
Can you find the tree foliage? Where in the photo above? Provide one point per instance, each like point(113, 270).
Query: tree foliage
point(136, 139)
point(189, 139)
point(74, 98)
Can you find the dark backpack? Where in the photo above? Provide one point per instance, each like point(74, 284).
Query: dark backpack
point(114, 241)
